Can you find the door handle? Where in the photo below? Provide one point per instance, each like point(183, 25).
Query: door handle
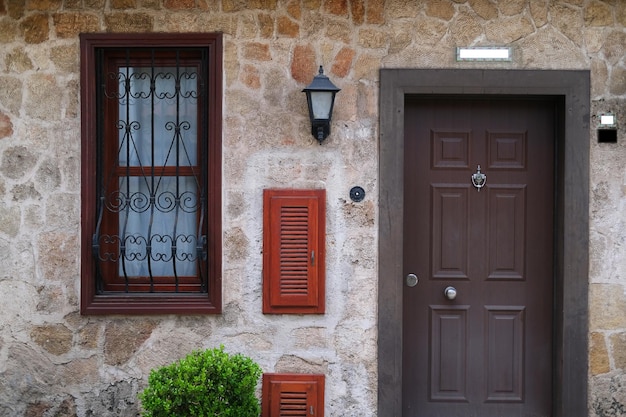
point(411, 280)
point(450, 293)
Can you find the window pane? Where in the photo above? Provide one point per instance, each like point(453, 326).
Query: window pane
point(158, 112)
point(153, 223)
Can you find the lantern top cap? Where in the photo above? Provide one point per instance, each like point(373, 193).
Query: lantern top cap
point(321, 83)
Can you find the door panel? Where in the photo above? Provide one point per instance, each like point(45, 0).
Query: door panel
point(488, 351)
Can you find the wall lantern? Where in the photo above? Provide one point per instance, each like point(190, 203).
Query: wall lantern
point(320, 96)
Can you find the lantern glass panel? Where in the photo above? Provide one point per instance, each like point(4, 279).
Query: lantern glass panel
point(321, 103)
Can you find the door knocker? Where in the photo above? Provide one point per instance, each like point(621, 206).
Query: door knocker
point(479, 179)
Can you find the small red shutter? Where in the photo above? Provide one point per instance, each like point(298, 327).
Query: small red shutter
point(293, 395)
point(293, 251)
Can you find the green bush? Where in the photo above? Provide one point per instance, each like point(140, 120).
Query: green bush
point(205, 383)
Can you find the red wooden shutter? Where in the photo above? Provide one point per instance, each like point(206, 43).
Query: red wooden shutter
point(293, 395)
point(293, 251)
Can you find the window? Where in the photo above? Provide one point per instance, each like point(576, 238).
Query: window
point(151, 173)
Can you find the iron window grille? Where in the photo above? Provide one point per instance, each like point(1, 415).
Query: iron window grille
point(154, 214)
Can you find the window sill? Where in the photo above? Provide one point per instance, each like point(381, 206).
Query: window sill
point(133, 304)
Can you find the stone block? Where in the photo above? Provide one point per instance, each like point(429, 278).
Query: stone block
point(65, 58)
point(598, 14)
point(372, 38)
point(617, 81)
point(10, 220)
point(484, 8)
point(179, 4)
point(568, 21)
point(465, 29)
point(43, 5)
point(309, 338)
point(54, 338)
point(539, 12)
point(287, 27)
point(35, 28)
point(250, 77)
point(117, 399)
point(17, 161)
point(357, 11)
point(400, 9)
point(506, 31)
point(343, 62)
point(128, 22)
point(56, 249)
point(17, 61)
point(37, 409)
point(312, 4)
point(440, 9)
point(122, 339)
point(400, 39)
point(6, 126)
point(11, 93)
point(123, 4)
point(94, 4)
point(240, 5)
point(618, 350)
point(620, 13)
point(337, 7)
point(511, 7)
point(266, 25)
point(24, 192)
point(15, 9)
point(303, 64)
point(256, 51)
point(615, 46)
point(44, 98)
point(375, 12)
point(51, 299)
point(298, 364)
point(607, 395)
point(607, 307)
point(48, 175)
point(598, 355)
point(339, 30)
point(236, 245)
point(69, 25)
point(9, 31)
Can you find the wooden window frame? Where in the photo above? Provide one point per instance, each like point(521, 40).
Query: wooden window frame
point(279, 294)
point(274, 384)
point(96, 303)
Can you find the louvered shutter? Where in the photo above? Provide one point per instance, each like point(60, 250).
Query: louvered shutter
point(293, 251)
point(293, 395)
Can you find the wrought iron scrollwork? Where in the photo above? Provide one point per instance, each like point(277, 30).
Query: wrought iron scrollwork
point(154, 190)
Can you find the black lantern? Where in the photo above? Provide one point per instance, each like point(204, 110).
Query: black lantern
point(320, 96)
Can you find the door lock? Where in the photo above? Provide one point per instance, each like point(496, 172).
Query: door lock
point(411, 280)
point(450, 293)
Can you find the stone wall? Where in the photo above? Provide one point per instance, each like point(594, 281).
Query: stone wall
point(54, 362)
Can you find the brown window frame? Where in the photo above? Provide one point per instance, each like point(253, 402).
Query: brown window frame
point(93, 299)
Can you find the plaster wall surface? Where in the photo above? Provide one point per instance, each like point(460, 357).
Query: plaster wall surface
point(53, 361)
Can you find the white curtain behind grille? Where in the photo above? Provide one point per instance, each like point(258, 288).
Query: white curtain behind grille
point(154, 219)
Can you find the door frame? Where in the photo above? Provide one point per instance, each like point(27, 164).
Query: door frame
point(572, 89)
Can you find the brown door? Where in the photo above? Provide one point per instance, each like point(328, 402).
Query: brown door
point(486, 352)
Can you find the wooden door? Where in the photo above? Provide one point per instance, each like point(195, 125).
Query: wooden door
point(488, 351)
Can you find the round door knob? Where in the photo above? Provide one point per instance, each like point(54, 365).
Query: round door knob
point(411, 280)
point(450, 293)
